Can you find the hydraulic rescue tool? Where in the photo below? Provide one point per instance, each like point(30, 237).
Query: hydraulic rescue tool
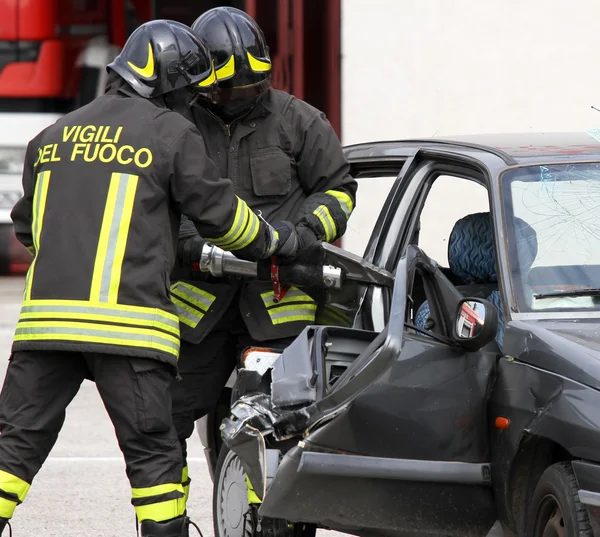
point(323, 265)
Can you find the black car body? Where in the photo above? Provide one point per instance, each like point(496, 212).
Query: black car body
point(414, 434)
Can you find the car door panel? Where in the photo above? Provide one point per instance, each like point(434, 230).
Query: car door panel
point(427, 405)
point(345, 497)
point(401, 446)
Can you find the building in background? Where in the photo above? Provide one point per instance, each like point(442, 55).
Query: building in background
point(379, 69)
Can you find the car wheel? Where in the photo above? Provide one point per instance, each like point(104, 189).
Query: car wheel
point(555, 509)
point(233, 516)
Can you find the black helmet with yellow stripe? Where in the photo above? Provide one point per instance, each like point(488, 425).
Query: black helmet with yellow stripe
point(239, 51)
point(162, 56)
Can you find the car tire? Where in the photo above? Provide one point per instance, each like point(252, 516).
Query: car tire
point(230, 504)
point(555, 509)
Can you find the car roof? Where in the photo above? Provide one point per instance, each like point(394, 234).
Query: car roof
point(511, 148)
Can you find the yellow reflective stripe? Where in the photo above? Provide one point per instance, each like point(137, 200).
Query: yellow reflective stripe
point(161, 511)
point(85, 305)
point(293, 295)
point(119, 247)
point(107, 219)
point(40, 196)
point(243, 231)
point(294, 312)
point(344, 199)
point(187, 315)
point(96, 317)
point(14, 485)
point(226, 70)
point(210, 78)
point(100, 327)
point(258, 66)
point(252, 497)
point(146, 492)
point(250, 234)
point(96, 339)
point(324, 216)
point(148, 70)
point(113, 237)
point(239, 223)
point(97, 333)
point(7, 508)
point(184, 474)
point(194, 295)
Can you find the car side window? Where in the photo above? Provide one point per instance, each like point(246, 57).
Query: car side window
point(448, 200)
point(370, 198)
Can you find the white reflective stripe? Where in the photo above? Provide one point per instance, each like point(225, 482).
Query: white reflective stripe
point(344, 199)
point(293, 295)
point(114, 231)
point(113, 234)
point(187, 315)
point(113, 311)
point(243, 231)
point(97, 333)
point(192, 294)
point(39, 208)
point(324, 216)
point(288, 314)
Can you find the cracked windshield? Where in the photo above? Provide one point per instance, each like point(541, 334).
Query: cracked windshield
point(554, 235)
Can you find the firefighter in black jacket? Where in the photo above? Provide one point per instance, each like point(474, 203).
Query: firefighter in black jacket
point(285, 160)
point(104, 190)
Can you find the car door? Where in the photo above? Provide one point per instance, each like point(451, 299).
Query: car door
point(400, 446)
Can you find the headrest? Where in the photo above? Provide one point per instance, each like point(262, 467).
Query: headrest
point(471, 253)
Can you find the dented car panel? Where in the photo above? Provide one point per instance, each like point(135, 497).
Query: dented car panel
point(406, 416)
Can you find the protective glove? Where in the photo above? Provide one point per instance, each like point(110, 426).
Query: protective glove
point(287, 244)
point(306, 237)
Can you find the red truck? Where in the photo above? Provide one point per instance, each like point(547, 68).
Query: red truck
point(53, 53)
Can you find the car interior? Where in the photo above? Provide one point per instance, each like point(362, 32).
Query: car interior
point(469, 262)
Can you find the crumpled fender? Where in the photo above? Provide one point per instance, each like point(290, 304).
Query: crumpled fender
point(252, 419)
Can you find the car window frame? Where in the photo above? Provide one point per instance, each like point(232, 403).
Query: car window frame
point(374, 309)
point(403, 214)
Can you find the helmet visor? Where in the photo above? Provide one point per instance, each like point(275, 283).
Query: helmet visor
point(247, 94)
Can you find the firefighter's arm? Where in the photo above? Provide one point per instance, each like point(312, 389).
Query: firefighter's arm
point(210, 203)
point(324, 173)
point(22, 212)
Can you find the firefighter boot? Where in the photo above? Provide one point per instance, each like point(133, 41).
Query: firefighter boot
point(3, 524)
point(176, 527)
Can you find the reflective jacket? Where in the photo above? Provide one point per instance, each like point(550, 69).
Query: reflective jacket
point(284, 159)
point(104, 190)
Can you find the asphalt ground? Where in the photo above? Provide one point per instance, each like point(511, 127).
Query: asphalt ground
point(82, 489)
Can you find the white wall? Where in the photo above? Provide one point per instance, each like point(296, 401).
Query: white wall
point(426, 68)
point(416, 68)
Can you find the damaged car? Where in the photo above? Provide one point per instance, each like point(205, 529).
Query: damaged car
point(455, 378)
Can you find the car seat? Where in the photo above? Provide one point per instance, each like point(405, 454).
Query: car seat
point(471, 257)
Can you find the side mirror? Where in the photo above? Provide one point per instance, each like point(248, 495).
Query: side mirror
point(476, 323)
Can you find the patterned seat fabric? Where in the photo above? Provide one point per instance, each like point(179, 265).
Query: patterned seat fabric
point(472, 258)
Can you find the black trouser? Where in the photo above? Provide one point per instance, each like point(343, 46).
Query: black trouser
point(205, 368)
point(38, 387)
